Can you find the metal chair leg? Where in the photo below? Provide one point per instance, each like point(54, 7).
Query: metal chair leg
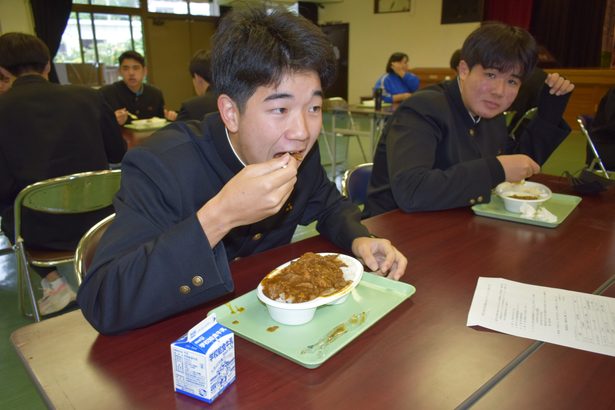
point(25, 282)
point(597, 160)
point(365, 159)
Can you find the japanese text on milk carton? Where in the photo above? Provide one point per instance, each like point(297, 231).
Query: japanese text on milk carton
point(204, 360)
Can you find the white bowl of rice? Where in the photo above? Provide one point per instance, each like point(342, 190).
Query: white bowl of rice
point(292, 298)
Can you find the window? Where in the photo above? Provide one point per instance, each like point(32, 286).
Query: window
point(116, 3)
point(94, 38)
point(191, 7)
point(99, 38)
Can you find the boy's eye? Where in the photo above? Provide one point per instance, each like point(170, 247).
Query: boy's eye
point(316, 108)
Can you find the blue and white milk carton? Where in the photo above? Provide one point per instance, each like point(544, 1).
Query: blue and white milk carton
point(204, 360)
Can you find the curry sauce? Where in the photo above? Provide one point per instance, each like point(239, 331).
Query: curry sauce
point(306, 278)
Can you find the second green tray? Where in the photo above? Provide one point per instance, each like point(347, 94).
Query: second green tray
point(560, 205)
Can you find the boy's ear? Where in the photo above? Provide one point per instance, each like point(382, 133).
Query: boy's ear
point(229, 112)
point(463, 69)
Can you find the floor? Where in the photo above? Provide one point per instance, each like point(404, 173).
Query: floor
point(16, 389)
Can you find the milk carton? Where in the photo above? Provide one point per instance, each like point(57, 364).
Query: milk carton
point(204, 360)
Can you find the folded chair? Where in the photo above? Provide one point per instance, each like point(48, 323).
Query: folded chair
point(355, 182)
point(71, 194)
point(522, 123)
point(508, 117)
point(585, 122)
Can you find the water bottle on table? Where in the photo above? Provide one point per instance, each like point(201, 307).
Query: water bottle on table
point(378, 99)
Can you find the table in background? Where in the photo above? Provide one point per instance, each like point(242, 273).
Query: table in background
point(134, 136)
point(377, 119)
point(421, 355)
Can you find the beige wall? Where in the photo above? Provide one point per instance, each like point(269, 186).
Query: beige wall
point(15, 15)
point(374, 37)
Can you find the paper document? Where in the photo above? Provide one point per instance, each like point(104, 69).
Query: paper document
point(563, 317)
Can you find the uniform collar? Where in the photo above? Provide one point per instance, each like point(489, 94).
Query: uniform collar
point(222, 142)
point(454, 90)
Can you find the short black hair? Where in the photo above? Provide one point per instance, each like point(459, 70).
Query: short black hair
point(200, 64)
point(257, 46)
point(395, 57)
point(500, 46)
point(132, 55)
point(21, 53)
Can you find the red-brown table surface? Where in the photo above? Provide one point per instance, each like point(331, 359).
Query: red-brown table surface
point(421, 355)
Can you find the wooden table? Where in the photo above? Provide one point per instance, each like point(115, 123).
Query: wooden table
point(134, 137)
point(421, 355)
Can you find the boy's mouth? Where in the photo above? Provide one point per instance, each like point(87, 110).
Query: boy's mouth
point(295, 154)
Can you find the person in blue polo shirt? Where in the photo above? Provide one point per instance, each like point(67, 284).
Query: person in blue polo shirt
point(397, 83)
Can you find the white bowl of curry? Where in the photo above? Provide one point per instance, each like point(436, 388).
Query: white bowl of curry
point(294, 290)
point(515, 195)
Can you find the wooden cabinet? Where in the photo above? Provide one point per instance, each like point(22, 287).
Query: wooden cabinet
point(171, 42)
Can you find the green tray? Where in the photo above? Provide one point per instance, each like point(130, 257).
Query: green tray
point(560, 205)
point(333, 326)
point(144, 128)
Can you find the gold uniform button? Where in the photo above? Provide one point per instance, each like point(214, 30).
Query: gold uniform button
point(472, 201)
point(471, 132)
point(184, 289)
point(197, 280)
point(257, 236)
point(480, 198)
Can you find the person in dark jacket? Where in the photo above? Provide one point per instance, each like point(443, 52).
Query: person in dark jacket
point(448, 146)
point(49, 130)
point(131, 96)
point(206, 100)
point(200, 194)
point(603, 131)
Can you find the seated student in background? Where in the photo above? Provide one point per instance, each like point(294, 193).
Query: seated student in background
point(41, 137)
point(199, 194)
point(206, 99)
point(447, 146)
point(397, 83)
point(603, 131)
point(131, 95)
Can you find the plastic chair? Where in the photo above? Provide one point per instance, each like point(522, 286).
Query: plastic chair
point(338, 107)
point(585, 122)
point(71, 194)
point(355, 182)
point(527, 117)
point(87, 246)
